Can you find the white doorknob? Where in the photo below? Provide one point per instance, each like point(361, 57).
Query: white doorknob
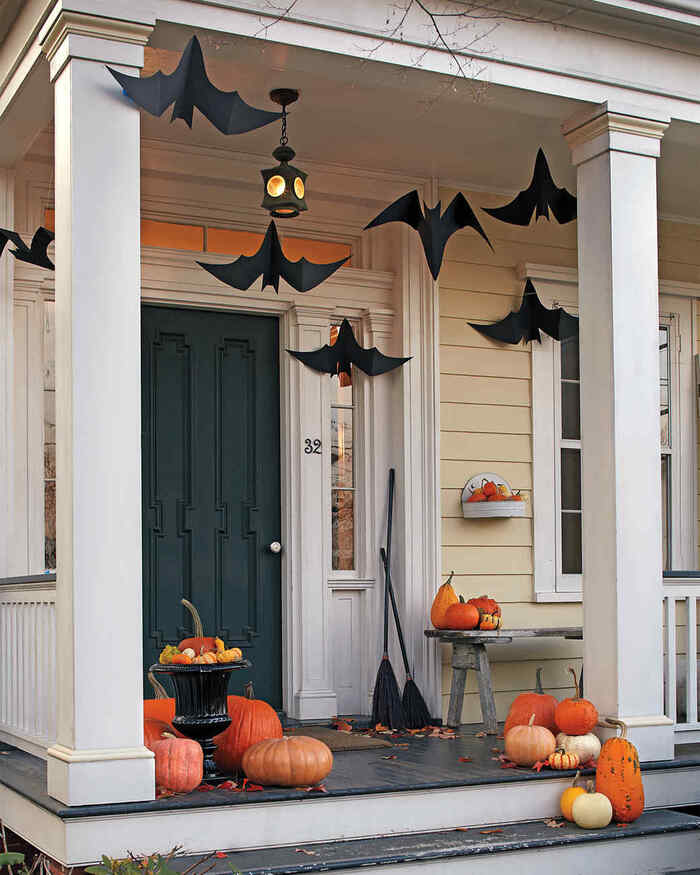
point(275, 547)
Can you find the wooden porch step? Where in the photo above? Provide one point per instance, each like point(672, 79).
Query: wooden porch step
point(660, 841)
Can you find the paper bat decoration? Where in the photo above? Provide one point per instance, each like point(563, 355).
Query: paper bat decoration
point(269, 261)
point(434, 230)
point(346, 351)
point(541, 195)
point(33, 254)
point(526, 322)
point(189, 86)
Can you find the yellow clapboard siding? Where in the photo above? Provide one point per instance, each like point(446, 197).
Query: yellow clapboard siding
point(487, 560)
point(486, 533)
point(457, 445)
point(466, 249)
point(476, 306)
point(483, 277)
point(484, 390)
point(454, 331)
point(485, 418)
point(504, 588)
point(484, 362)
point(455, 474)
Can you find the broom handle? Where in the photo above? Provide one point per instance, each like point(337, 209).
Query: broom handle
point(389, 523)
point(395, 609)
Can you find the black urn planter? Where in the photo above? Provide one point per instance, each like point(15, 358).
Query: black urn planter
point(200, 706)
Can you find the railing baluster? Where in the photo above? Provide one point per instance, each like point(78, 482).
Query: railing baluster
point(671, 657)
point(692, 659)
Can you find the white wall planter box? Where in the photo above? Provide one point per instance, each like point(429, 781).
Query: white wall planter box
point(489, 509)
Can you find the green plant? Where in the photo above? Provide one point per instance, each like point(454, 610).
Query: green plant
point(154, 864)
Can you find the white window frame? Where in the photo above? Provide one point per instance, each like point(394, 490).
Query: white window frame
point(550, 585)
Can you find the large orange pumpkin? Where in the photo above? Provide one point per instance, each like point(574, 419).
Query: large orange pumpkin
point(199, 643)
point(160, 708)
point(179, 764)
point(526, 745)
point(296, 761)
point(445, 597)
point(576, 716)
point(619, 777)
point(539, 703)
point(486, 605)
point(460, 615)
point(252, 720)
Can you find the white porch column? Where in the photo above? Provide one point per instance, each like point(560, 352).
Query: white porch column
point(99, 754)
point(308, 693)
point(615, 150)
point(7, 220)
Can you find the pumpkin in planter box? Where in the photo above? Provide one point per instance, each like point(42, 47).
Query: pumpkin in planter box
point(526, 745)
point(296, 761)
point(461, 615)
point(619, 777)
point(179, 764)
point(576, 716)
point(252, 720)
point(445, 597)
point(539, 703)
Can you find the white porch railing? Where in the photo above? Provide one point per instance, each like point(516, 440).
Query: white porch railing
point(681, 595)
point(28, 662)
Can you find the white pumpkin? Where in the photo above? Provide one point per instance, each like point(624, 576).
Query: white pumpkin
point(587, 746)
point(591, 810)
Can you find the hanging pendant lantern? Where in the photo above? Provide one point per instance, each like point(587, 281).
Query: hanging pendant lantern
point(285, 185)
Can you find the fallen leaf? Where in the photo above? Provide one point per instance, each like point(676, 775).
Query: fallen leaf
point(496, 750)
point(319, 788)
point(227, 785)
point(621, 825)
point(380, 727)
point(480, 735)
point(416, 731)
point(508, 766)
point(250, 788)
point(462, 828)
point(162, 793)
point(539, 765)
point(402, 744)
point(465, 759)
point(342, 726)
point(203, 788)
point(554, 824)
point(391, 756)
point(307, 852)
point(487, 832)
point(220, 854)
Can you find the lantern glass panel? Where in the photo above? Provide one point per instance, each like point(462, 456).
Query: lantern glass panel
point(276, 186)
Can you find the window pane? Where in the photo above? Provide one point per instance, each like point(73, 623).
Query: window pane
point(343, 530)
point(665, 505)
point(569, 359)
point(665, 385)
point(570, 479)
point(571, 543)
point(341, 447)
point(570, 411)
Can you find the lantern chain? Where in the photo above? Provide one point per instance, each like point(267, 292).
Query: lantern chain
point(284, 139)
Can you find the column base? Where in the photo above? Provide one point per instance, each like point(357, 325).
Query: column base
point(653, 735)
point(98, 777)
point(315, 705)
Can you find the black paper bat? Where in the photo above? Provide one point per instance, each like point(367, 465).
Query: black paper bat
point(346, 351)
point(189, 86)
point(541, 195)
point(434, 230)
point(33, 254)
point(269, 261)
point(531, 316)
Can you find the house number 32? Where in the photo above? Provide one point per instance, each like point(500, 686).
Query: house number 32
point(312, 447)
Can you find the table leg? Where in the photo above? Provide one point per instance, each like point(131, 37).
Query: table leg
point(488, 704)
point(454, 712)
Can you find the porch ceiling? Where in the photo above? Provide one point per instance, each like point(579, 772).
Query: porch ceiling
point(368, 114)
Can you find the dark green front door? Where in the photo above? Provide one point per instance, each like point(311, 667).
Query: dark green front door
point(211, 485)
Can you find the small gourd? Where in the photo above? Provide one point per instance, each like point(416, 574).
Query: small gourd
point(444, 597)
point(489, 622)
point(560, 759)
point(526, 745)
point(591, 810)
point(586, 747)
point(569, 796)
point(619, 776)
point(233, 654)
point(576, 716)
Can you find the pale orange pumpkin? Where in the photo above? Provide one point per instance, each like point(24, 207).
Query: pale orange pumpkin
point(179, 764)
point(526, 745)
point(252, 720)
point(296, 761)
point(539, 703)
point(445, 597)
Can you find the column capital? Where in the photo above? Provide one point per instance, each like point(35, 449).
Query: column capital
point(93, 38)
point(311, 315)
point(614, 127)
point(379, 323)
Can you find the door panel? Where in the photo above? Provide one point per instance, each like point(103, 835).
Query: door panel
point(211, 490)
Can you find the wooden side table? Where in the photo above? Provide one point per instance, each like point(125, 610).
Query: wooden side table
point(469, 652)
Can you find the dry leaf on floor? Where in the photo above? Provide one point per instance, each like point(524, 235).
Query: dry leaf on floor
point(465, 759)
point(539, 765)
point(487, 832)
point(508, 766)
point(306, 851)
point(318, 788)
point(480, 735)
point(220, 854)
point(250, 788)
point(227, 785)
point(554, 824)
point(203, 788)
point(391, 756)
point(342, 726)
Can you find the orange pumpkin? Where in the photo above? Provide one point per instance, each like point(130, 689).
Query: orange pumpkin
point(560, 759)
point(445, 597)
point(576, 716)
point(200, 644)
point(539, 703)
point(179, 764)
point(155, 731)
point(252, 720)
point(486, 605)
point(569, 796)
point(489, 622)
point(296, 761)
point(619, 777)
point(460, 615)
point(160, 708)
point(526, 745)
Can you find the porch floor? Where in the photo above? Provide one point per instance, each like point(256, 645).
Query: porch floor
point(411, 764)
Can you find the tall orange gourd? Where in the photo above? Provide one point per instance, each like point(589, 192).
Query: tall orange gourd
point(252, 720)
point(619, 777)
point(445, 597)
point(539, 703)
